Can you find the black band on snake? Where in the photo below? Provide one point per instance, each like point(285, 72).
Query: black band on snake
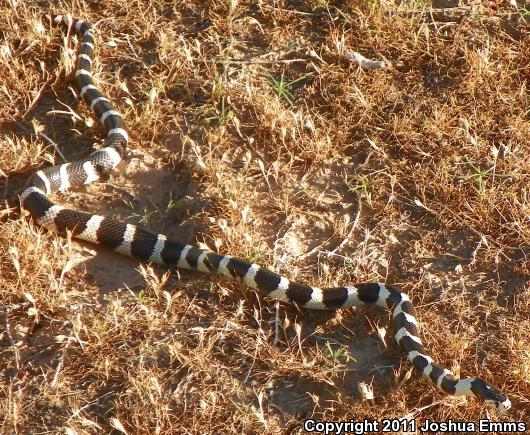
point(144, 245)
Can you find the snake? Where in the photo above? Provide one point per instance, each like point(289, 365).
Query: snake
point(146, 246)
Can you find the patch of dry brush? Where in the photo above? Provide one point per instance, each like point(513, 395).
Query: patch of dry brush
point(271, 146)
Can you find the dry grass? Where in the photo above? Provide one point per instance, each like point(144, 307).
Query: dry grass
point(435, 149)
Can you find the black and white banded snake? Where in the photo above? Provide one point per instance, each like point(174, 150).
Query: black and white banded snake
point(146, 246)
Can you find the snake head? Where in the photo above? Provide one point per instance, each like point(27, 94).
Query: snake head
point(491, 395)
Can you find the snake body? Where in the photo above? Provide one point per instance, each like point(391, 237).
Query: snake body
point(147, 246)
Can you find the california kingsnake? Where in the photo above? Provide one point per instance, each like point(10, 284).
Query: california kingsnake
point(137, 242)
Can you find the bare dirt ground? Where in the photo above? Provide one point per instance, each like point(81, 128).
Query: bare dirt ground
point(255, 134)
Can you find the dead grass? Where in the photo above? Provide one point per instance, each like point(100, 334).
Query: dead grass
point(435, 149)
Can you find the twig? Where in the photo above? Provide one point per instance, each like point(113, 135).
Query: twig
point(37, 97)
point(50, 141)
point(55, 146)
point(352, 229)
point(61, 359)
point(291, 11)
point(446, 11)
point(7, 327)
point(257, 62)
point(365, 63)
point(124, 191)
point(276, 323)
point(254, 357)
